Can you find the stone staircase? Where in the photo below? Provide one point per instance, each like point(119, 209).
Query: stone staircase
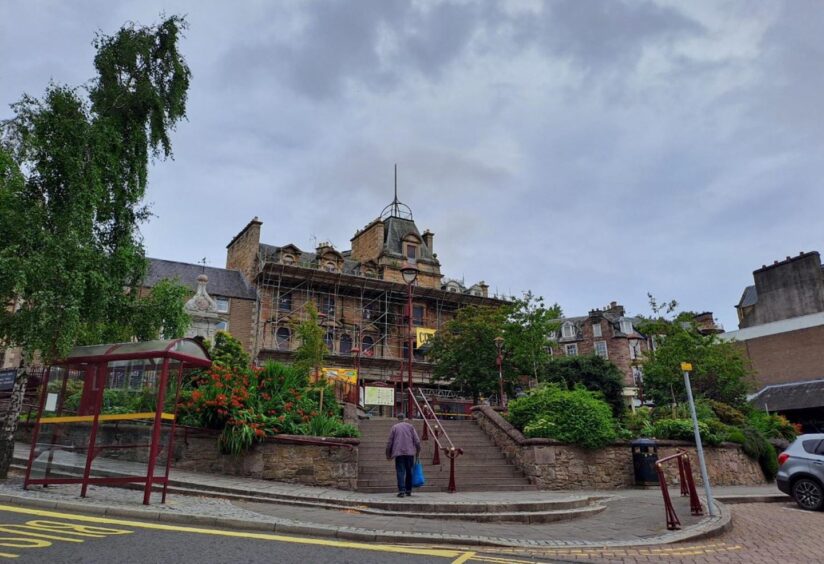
point(482, 467)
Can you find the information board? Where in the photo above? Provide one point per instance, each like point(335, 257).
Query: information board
point(379, 396)
point(7, 379)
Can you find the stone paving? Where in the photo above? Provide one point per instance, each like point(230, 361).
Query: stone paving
point(761, 533)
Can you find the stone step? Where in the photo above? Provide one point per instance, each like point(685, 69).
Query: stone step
point(496, 473)
point(459, 486)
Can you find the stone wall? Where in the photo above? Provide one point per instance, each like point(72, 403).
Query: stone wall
point(285, 458)
point(556, 466)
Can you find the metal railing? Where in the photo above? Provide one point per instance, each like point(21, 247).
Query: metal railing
point(687, 488)
point(449, 450)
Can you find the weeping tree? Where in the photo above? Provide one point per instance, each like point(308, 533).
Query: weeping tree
point(73, 174)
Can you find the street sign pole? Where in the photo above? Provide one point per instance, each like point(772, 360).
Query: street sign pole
point(686, 367)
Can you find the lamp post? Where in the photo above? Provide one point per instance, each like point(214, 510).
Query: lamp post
point(409, 273)
point(356, 387)
point(499, 346)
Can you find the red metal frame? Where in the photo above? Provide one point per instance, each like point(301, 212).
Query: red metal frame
point(95, 375)
point(687, 488)
point(451, 452)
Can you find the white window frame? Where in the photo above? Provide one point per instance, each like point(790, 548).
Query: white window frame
point(571, 349)
point(596, 330)
point(222, 326)
point(626, 326)
point(602, 353)
point(218, 301)
point(568, 327)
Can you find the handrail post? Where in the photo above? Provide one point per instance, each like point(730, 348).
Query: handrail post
point(672, 519)
point(695, 501)
point(452, 488)
point(682, 477)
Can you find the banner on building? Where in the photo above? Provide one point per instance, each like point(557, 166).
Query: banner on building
point(422, 335)
point(379, 396)
point(347, 375)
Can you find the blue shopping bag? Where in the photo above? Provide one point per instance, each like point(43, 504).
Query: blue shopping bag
point(417, 475)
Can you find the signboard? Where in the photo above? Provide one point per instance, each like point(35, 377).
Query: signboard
point(379, 396)
point(347, 375)
point(7, 379)
point(686, 366)
point(422, 335)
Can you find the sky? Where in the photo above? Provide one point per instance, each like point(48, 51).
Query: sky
point(588, 151)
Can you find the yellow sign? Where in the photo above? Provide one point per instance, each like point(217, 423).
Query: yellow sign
point(347, 375)
point(379, 396)
point(686, 366)
point(423, 335)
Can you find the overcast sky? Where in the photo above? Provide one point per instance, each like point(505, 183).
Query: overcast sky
point(588, 151)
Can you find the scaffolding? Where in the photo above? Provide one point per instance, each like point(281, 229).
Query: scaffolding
point(365, 317)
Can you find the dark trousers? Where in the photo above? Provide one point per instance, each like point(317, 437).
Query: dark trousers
point(403, 468)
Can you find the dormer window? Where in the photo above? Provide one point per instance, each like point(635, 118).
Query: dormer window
point(626, 326)
point(330, 267)
point(453, 289)
point(568, 331)
point(288, 259)
point(411, 253)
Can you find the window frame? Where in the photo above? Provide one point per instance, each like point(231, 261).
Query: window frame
point(278, 343)
point(571, 349)
point(603, 354)
point(221, 300)
point(568, 325)
point(418, 322)
point(596, 330)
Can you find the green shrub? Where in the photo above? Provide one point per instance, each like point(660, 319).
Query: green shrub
point(682, 430)
point(528, 408)
point(772, 426)
point(726, 413)
point(638, 420)
point(576, 417)
point(756, 446)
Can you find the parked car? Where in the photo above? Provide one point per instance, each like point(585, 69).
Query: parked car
point(801, 471)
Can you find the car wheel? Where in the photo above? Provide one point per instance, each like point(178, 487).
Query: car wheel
point(808, 494)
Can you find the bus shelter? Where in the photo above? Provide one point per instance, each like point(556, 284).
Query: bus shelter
point(107, 414)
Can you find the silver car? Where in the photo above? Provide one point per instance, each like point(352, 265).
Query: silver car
point(801, 471)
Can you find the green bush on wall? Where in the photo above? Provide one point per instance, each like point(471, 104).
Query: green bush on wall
point(576, 416)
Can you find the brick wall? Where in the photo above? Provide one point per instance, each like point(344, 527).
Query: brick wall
point(242, 251)
point(551, 465)
point(368, 244)
point(787, 357)
point(242, 322)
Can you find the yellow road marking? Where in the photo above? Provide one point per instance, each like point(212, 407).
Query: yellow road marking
point(502, 560)
point(16, 529)
point(463, 558)
point(8, 555)
point(102, 418)
point(444, 553)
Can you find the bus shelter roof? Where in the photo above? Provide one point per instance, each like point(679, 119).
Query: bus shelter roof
point(184, 350)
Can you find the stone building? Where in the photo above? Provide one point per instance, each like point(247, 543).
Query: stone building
point(781, 328)
point(610, 334)
point(359, 292)
point(221, 298)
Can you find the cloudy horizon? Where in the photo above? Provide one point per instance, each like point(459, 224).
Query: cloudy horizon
point(587, 151)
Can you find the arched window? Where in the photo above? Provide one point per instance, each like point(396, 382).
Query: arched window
point(288, 259)
point(285, 302)
point(283, 335)
point(368, 346)
point(345, 344)
point(330, 267)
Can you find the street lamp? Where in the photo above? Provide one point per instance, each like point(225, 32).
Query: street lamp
point(355, 395)
point(409, 273)
point(499, 346)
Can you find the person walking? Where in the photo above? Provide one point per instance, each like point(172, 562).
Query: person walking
point(403, 445)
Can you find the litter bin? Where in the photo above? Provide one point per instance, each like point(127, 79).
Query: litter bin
point(644, 457)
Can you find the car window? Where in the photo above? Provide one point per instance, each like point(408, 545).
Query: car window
point(812, 446)
point(820, 449)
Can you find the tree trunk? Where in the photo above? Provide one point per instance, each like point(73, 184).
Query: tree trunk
point(10, 422)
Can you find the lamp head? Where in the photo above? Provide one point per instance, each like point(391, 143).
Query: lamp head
point(409, 273)
point(499, 343)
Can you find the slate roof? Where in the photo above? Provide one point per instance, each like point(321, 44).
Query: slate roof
point(749, 297)
point(786, 397)
point(395, 229)
point(222, 282)
point(613, 319)
point(271, 253)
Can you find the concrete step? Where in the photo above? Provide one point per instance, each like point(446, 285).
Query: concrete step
point(460, 487)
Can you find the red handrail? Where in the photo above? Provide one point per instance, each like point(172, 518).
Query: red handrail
point(451, 452)
point(687, 488)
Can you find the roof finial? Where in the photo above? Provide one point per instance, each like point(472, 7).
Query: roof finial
point(395, 201)
point(396, 208)
point(202, 262)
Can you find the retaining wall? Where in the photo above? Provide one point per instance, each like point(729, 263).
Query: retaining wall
point(552, 465)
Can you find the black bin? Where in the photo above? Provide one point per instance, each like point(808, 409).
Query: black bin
point(644, 457)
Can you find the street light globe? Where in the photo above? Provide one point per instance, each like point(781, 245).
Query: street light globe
point(499, 343)
point(409, 273)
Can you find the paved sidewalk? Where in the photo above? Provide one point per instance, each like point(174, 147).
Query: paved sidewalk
point(630, 517)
